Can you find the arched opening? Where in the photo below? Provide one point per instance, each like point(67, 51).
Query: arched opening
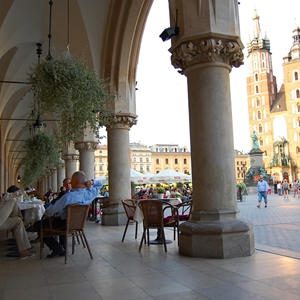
point(296, 76)
point(297, 93)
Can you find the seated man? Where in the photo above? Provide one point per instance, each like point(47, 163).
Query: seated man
point(66, 188)
point(82, 193)
point(11, 221)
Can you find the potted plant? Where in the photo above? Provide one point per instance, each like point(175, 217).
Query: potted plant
point(69, 90)
point(160, 192)
point(40, 153)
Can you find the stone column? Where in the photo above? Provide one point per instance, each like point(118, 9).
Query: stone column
point(70, 157)
point(118, 168)
point(49, 180)
point(206, 48)
point(54, 179)
point(61, 173)
point(87, 157)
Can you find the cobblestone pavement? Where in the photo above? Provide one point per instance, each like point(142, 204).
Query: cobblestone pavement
point(277, 227)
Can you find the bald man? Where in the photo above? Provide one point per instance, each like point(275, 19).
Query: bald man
point(82, 193)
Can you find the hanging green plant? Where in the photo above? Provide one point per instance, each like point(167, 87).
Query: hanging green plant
point(40, 153)
point(73, 93)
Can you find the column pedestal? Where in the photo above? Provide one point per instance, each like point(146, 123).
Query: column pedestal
point(206, 59)
point(118, 169)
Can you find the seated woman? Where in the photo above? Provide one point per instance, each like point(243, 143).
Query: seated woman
point(10, 220)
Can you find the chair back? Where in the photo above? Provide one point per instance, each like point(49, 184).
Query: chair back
point(153, 213)
point(76, 217)
point(129, 207)
point(185, 210)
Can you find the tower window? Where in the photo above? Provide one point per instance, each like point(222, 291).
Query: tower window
point(157, 161)
point(176, 161)
point(298, 122)
point(297, 149)
point(257, 102)
point(298, 107)
point(261, 142)
point(185, 161)
point(260, 129)
point(297, 94)
point(167, 161)
point(256, 77)
point(296, 76)
point(259, 115)
point(256, 89)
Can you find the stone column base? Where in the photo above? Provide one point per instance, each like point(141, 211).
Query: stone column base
point(113, 215)
point(216, 239)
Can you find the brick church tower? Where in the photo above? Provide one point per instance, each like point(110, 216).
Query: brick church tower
point(275, 115)
point(262, 88)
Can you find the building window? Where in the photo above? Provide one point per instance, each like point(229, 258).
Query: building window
point(148, 169)
point(185, 161)
point(256, 89)
point(101, 168)
point(261, 142)
point(147, 159)
point(260, 129)
point(297, 94)
point(257, 102)
point(259, 115)
point(256, 77)
point(176, 161)
point(167, 161)
point(296, 76)
point(157, 161)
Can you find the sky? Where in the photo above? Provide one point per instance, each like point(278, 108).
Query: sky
point(161, 98)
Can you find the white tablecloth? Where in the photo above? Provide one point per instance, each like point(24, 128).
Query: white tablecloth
point(33, 210)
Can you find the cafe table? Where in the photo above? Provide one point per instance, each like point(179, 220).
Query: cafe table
point(138, 216)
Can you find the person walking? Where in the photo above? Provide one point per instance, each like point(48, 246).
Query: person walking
point(285, 187)
point(279, 186)
point(262, 190)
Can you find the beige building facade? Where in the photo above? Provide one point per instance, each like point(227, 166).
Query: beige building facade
point(274, 115)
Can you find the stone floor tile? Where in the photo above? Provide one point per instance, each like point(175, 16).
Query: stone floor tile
point(77, 291)
point(38, 293)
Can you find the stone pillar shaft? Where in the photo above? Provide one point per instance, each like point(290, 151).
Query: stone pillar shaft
point(118, 168)
point(71, 164)
point(211, 141)
point(87, 157)
point(61, 174)
point(54, 180)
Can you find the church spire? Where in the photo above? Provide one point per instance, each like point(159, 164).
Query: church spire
point(258, 42)
point(295, 50)
point(257, 31)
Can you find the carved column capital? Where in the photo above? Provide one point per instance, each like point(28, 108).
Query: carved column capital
point(87, 146)
point(71, 156)
point(206, 50)
point(123, 121)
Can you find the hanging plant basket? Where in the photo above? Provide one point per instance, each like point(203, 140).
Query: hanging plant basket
point(40, 153)
point(73, 93)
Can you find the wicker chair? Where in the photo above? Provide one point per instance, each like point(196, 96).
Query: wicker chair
point(172, 220)
point(153, 219)
point(184, 210)
point(76, 217)
point(130, 208)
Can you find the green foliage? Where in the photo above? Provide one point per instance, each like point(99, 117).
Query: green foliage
point(41, 153)
point(243, 186)
point(160, 190)
point(73, 93)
